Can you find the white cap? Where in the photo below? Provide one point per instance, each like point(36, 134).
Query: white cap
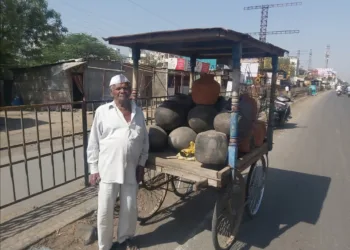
point(118, 79)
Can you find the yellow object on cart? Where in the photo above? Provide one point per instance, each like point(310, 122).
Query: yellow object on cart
point(187, 153)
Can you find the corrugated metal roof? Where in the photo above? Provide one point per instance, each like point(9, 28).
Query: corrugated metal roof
point(209, 43)
point(66, 66)
point(80, 60)
point(70, 65)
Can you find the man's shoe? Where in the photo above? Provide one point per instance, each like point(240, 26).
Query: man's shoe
point(130, 245)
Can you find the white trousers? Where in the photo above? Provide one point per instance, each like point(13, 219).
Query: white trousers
point(107, 195)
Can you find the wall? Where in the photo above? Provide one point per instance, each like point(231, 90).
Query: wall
point(48, 84)
point(145, 79)
point(160, 83)
point(97, 76)
point(96, 84)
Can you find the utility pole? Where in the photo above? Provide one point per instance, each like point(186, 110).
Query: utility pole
point(265, 15)
point(328, 48)
point(298, 54)
point(310, 60)
point(298, 62)
point(263, 22)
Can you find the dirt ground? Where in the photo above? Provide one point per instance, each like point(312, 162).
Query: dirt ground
point(29, 124)
point(65, 239)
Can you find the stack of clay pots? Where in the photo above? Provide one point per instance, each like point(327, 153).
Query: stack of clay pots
point(203, 117)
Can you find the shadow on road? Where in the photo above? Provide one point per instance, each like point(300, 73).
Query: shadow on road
point(41, 214)
point(290, 198)
point(15, 123)
point(289, 125)
point(185, 216)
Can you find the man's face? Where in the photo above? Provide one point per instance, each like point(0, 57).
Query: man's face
point(121, 91)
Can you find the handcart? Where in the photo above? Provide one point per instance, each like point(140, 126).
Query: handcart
point(235, 194)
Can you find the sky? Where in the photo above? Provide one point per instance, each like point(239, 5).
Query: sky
point(321, 22)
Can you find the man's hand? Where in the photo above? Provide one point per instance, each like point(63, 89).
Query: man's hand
point(94, 179)
point(140, 172)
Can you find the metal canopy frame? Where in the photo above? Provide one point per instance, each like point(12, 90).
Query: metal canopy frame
point(209, 43)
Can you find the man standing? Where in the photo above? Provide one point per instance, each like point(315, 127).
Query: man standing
point(287, 90)
point(117, 153)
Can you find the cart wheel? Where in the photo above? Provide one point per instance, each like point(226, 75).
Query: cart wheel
point(151, 194)
point(228, 213)
point(181, 187)
point(255, 186)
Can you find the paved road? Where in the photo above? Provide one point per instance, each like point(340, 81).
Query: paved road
point(307, 201)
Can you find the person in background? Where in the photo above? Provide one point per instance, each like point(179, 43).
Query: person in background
point(117, 152)
point(338, 88)
point(287, 90)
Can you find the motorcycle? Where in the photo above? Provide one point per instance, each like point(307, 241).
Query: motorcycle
point(338, 92)
point(282, 111)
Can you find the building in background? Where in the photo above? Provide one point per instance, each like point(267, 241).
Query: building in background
point(294, 61)
point(50, 83)
point(152, 58)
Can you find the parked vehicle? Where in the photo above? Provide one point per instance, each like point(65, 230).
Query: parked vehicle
point(345, 91)
point(282, 110)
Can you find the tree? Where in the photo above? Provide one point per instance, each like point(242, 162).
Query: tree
point(150, 60)
point(79, 45)
point(283, 64)
point(26, 28)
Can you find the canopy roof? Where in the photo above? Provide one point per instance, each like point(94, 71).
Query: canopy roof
point(208, 43)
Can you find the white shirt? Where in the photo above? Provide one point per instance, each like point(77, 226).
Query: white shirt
point(338, 87)
point(116, 147)
point(287, 88)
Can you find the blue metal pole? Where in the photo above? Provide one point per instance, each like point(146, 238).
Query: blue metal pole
point(272, 101)
point(236, 76)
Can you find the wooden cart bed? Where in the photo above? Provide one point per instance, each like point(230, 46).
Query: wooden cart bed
point(166, 162)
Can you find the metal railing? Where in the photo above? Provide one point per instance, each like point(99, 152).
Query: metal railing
point(33, 137)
